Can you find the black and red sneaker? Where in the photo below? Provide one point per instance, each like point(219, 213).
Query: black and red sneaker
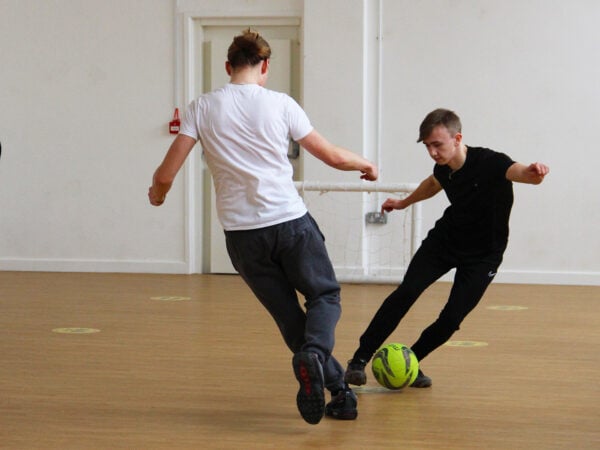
point(311, 395)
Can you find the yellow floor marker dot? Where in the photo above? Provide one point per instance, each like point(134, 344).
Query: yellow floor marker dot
point(76, 330)
point(170, 298)
point(466, 344)
point(507, 308)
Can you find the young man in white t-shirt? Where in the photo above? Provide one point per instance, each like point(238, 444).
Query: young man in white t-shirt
point(273, 242)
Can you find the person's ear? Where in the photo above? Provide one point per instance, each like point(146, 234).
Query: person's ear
point(458, 138)
point(265, 66)
point(228, 68)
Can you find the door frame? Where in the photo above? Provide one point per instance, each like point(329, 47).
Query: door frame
point(188, 79)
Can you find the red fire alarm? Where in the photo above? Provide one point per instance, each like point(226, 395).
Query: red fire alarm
point(175, 123)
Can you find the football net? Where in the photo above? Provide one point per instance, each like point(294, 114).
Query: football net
point(364, 246)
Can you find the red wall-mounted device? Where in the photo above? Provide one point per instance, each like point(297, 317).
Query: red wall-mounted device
point(175, 123)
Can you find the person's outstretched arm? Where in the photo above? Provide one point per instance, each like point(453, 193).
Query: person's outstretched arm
point(426, 189)
point(532, 174)
point(165, 173)
point(338, 157)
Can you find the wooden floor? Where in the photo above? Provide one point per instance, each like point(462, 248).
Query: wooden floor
point(194, 362)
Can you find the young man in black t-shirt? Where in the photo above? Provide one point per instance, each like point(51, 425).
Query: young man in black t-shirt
point(471, 237)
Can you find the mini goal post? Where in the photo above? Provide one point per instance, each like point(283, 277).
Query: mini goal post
point(364, 246)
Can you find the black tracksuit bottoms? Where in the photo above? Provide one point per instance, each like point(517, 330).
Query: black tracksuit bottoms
point(473, 275)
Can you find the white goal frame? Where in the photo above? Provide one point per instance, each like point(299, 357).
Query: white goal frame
point(363, 274)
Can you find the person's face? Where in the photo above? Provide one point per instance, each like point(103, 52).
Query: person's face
point(442, 146)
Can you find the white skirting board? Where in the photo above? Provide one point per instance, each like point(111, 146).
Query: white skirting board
point(344, 275)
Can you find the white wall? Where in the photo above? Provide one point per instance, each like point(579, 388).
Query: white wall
point(86, 95)
point(525, 78)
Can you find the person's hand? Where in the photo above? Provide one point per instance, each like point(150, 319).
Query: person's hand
point(154, 199)
point(392, 203)
point(537, 171)
point(370, 173)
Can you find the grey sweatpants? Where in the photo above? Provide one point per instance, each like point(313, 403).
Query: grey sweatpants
point(276, 262)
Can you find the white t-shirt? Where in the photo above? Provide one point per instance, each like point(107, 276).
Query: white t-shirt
point(244, 130)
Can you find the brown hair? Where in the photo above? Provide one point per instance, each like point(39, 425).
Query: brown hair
point(440, 116)
point(248, 49)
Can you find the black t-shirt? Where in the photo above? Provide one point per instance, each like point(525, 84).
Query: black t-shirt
point(476, 222)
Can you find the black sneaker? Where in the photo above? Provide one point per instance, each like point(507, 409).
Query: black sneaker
point(342, 405)
point(311, 395)
point(422, 381)
point(355, 372)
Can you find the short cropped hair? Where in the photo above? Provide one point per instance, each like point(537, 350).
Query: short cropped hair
point(438, 117)
point(248, 49)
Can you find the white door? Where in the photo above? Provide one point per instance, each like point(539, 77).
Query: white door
point(284, 76)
